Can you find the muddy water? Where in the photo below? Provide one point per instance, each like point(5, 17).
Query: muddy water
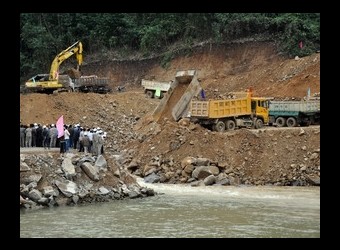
point(187, 212)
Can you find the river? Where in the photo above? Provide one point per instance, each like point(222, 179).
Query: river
point(186, 212)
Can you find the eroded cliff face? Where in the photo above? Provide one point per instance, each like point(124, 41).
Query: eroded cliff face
point(223, 67)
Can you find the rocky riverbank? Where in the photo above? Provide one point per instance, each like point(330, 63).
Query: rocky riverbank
point(196, 156)
point(192, 156)
point(49, 179)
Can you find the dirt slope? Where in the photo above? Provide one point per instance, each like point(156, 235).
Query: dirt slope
point(225, 68)
point(222, 69)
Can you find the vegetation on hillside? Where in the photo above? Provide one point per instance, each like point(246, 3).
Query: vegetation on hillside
point(44, 35)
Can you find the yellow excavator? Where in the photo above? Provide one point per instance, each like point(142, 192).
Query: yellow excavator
point(53, 81)
point(71, 81)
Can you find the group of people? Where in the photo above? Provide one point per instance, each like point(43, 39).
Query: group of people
point(87, 140)
point(34, 135)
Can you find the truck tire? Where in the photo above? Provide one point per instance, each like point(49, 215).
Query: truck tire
point(258, 123)
point(219, 126)
point(280, 122)
point(149, 93)
point(291, 122)
point(230, 124)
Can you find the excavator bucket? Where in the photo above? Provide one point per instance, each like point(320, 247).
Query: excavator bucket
point(73, 73)
point(175, 103)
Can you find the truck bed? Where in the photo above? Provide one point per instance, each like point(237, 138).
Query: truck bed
point(91, 81)
point(295, 106)
point(220, 108)
point(162, 86)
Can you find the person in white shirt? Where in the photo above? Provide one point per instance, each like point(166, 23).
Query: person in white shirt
point(100, 142)
point(67, 138)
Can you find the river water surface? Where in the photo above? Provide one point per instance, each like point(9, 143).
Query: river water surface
point(186, 212)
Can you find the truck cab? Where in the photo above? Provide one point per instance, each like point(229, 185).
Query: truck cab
point(260, 109)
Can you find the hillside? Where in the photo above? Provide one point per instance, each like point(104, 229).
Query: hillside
point(228, 67)
point(221, 69)
point(265, 156)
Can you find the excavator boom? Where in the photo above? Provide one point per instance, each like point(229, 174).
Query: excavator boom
point(76, 48)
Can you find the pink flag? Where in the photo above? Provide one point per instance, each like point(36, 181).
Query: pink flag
point(60, 126)
point(300, 45)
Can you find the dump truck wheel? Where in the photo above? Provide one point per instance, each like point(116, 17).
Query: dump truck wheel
point(149, 94)
point(280, 121)
point(291, 122)
point(230, 125)
point(258, 123)
point(219, 126)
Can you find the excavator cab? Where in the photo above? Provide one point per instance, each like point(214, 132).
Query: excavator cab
point(33, 81)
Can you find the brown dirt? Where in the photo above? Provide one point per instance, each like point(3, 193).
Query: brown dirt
point(174, 98)
point(227, 68)
point(221, 69)
point(88, 109)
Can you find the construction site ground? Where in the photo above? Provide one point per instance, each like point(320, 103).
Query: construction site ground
point(126, 115)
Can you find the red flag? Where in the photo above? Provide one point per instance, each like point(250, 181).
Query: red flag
point(300, 45)
point(60, 126)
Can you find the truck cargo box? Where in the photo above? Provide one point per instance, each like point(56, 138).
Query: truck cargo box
point(295, 106)
point(221, 108)
point(91, 81)
point(162, 86)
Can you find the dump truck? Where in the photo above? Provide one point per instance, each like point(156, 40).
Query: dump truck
point(92, 83)
point(241, 111)
point(56, 82)
point(293, 113)
point(175, 103)
point(155, 88)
